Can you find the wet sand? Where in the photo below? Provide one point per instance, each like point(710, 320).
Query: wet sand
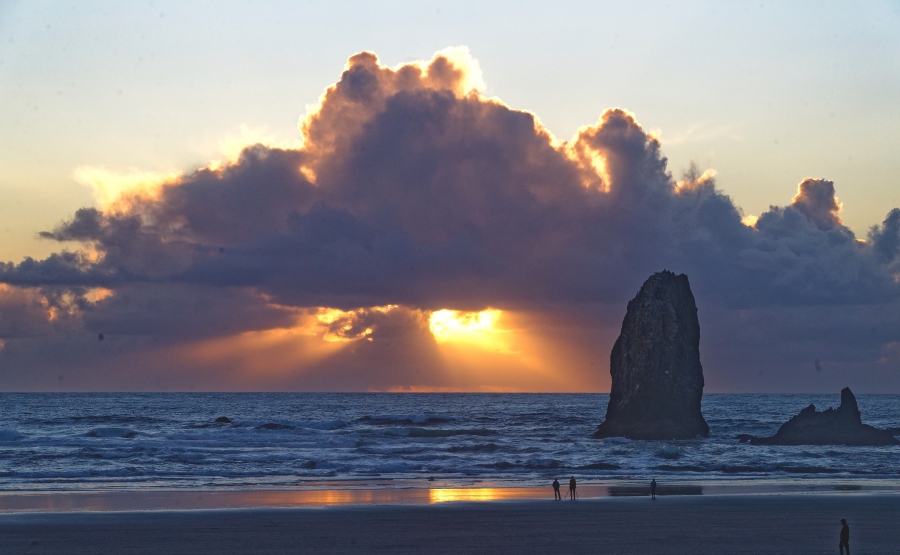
point(180, 500)
point(757, 524)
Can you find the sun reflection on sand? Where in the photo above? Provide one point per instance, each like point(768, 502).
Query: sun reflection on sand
point(108, 501)
point(445, 495)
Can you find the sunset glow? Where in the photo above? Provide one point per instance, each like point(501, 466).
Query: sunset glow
point(405, 222)
point(118, 191)
point(260, 355)
point(338, 325)
point(97, 294)
point(479, 328)
point(342, 325)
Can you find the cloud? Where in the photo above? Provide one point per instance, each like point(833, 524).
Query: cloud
point(411, 189)
point(815, 199)
point(118, 191)
point(29, 312)
point(885, 239)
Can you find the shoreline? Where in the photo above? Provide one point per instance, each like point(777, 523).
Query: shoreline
point(112, 501)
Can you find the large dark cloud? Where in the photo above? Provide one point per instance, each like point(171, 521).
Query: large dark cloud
point(412, 189)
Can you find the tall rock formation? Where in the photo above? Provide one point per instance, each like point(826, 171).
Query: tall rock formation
point(657, 379)
point(841, 426)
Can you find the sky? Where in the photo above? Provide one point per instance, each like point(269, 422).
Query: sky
point(428, 196)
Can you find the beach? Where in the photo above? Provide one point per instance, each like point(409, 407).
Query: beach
point(697, 524)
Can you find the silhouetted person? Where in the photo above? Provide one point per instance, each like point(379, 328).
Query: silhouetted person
point(653, 488)
point(572, 488)
point(556, 494)
point(845, 537)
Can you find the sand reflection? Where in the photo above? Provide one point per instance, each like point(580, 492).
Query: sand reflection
point(445, 495)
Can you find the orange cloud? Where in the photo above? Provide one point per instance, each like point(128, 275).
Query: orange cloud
point(815, 198)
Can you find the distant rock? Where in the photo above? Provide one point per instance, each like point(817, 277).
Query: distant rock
point(841, 426)
point(657, 379)
point(223, 420)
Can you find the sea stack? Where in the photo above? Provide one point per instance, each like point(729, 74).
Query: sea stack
point(841, 426)
point(657, 379)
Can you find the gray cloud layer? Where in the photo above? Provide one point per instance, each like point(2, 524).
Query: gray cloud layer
point(415, 191)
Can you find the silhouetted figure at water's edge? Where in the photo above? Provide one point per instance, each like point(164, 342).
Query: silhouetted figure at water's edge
point(572, 488)
point(653, 488)
point(845, 538)
point(556, 494)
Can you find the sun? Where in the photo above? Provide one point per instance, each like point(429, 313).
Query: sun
point(479, 328)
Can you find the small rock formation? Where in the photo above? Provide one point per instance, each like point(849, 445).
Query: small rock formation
point(657, 379)
point(830, 427)
point(223, 420)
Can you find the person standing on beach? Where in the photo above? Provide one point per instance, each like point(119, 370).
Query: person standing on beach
point(556, 494)
point(653, 488)
point(572, 488)
point(845, 537)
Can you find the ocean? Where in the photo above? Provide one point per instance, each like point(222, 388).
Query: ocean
point(115, 441)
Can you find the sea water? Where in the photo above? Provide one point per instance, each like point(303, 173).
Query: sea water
point(71, 442)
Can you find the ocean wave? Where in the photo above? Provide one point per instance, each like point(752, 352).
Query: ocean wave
point(104, 419)
point(393, 420)
point(531, 464)
point(598, 466)
point(395, 451)
point(185, 457)
point(343, 442)
point(425, 432)
point(89, 453)
point(741, 469)
point(112, 432)
point(669, 452)
point(616, 440)
point(476, 448)
point(501, 465)
point(275, 426)
point(396, 467)
point(323, 425)
point(542, 463)
point(750, 469)
point(810, 470)
point(681, 468)
point(9, 435)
